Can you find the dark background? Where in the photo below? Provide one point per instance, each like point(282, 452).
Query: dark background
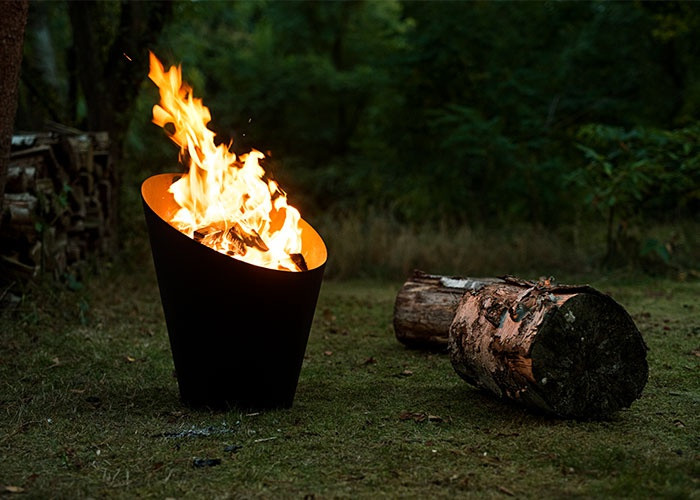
point(578, 117)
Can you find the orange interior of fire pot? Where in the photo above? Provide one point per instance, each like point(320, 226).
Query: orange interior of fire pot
point(155, 192)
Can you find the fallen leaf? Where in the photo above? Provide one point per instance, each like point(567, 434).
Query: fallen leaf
point(406, 373)
point(129, 359)
point(435, 418)
point(328, 353)
point(14, 489)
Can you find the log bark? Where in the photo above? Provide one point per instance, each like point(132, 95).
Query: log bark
point(425, 307)
point(568, 350)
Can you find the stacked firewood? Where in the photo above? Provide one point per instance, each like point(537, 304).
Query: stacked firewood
point(57, 209)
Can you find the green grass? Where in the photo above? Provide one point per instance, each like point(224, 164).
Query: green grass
point(89, 406)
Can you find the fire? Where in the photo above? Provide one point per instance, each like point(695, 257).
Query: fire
point(226, 202)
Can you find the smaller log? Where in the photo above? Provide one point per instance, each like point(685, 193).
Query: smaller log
point(299, 261)
point(213, 234)
point(11, 264)
point(20, 178)
point(100, 143)
point(253, 240)
point(42, 158)
point(21, 208)
point(78, 150)
point(426, 305)
point(21, 141)
point(24, 141)
point(76, 197)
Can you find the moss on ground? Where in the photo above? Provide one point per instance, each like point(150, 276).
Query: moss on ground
point(89, 407)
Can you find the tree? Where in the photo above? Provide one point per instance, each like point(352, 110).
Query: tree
point(13, 18)
point(83, 67)
point(110, 71)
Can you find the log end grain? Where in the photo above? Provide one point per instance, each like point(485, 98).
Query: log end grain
point(589, 358)
point(570, 351)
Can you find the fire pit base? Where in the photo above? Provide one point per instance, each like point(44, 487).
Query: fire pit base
point(238, 332)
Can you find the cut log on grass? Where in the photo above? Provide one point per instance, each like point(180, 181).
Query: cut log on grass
point(568, 350)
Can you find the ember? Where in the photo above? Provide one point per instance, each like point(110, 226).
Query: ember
point(226, 202)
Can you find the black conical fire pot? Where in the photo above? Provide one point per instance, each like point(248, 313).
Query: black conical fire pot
point(238, 332)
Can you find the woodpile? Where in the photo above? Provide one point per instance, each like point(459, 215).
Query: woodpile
point(57, 209)
point(568, 350)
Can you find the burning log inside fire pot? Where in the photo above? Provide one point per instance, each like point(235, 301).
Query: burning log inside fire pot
point(568, 350)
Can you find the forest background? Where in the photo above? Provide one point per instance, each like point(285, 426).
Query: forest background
point(459, 137)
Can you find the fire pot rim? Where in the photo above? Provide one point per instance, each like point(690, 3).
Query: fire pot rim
point(154, 193)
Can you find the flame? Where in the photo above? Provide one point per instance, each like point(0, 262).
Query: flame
point(226, 202)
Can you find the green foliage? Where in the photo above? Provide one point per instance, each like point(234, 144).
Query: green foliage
point(436, 111)
point(638, 174)
point(640, 169)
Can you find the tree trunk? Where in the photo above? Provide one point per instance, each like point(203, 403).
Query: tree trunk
point(568, 350)
point(13, 18)
point(110, 76)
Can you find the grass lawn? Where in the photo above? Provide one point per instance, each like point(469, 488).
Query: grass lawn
point(89, 407)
